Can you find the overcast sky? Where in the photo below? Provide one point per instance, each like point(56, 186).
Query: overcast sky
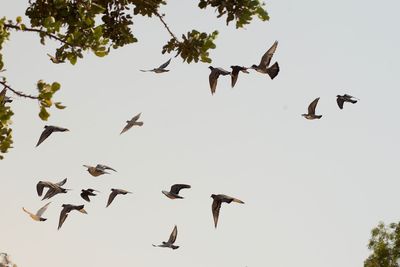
point(313, 190)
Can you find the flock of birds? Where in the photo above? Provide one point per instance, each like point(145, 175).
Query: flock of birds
point(100, 169)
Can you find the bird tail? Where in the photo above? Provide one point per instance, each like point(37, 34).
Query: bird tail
point(353, 101)
point(318, 116)
point(139, 123)
point(83, 211)
point(238, 201)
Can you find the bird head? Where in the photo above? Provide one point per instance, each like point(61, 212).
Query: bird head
point(211, 67)
point(213, 195)
point(254, 66)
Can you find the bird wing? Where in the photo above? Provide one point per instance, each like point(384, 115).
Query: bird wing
point(39, 187)
point(234, 76)
point(127, 127)
point(136, 117)
point(146, 70)
point(312, 106)
point(266, 58)
point(273, 70)
point(59, 129)
point(163, 66)
point(51, 193)
point(104, 167)
point(216, 206)
point(177, 187)
point(113, 194)
point(173, 235)
point(63, 217)
point(62, 182)
point(27, 211)
point(46, 133)
point(40, 212)
point(85, 196)
point(340, 102)
point(237, 200)
point(213, 79)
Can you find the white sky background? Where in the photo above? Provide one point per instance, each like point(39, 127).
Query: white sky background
point(313, 189)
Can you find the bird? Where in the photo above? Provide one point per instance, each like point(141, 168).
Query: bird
point(55, 60)
point(85, 193)
point(213, 77)
point(38, 216)
point(53, 188)
point(264, 67)
point(341, 99)
point(114, 193)
point(174, 191)
point(235, 73)
point(67, 208)
point(132, 122)
point(160, 69)
point(171, 240)
point(48, 130)
point(216, 205)
point(311, 111)
point(98, 170)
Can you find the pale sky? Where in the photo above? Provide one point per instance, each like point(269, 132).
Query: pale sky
point(313, 189)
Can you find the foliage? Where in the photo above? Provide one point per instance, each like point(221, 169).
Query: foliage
point(100, 26)
point(385, 246)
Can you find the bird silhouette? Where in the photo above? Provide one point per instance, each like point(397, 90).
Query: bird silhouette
point(98, 170)
point(53, 188)
point(85, 193)
point(171, 240)
point(160, 69)
point(341, 99)
point(114, 193)
point(38, 215)
point(216, 205)
point(311, 111)
point(235, 73)
point(132, 122)
point(173, 193)
point(67, 208)
point(263, 66)
point(213, 77)
point(48, 130)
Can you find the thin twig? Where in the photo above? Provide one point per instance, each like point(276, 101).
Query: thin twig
point(166, 26)
point(51, 36)
point(18, 93)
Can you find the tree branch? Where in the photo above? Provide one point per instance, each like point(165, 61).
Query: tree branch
point(18, 93)
point(166, 26)
point(51, 36)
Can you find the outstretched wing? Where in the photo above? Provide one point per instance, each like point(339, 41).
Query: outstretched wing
point(312, 106)
point(85, 196)
point(136, 117)
point(62, 182)
point(340, 102)
point(213, 79)
point(46, 133)
point(51, 193)
point(216, 206)
point(177, 187)
point(111, 197)
point(173, 235)
point(63, 217)
point(266, 58)
point(163, 66)
point(42, 210)
point(127, 127)
point(104, 167)
point(39, 187)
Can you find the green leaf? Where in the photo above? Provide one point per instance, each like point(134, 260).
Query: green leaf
point(55, 87)
point(43, 114)
point(59, 106)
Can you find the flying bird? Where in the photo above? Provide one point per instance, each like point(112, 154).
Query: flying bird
point(174, 191)
point(132, 122)
point(264, 67)
point(98, 170)
point(235, 73)
point(216, 205)
point(213, 77)
point(48, 130)
point(341, 99)
point(160, 69)
point(53, 188)
point(85, 193)
point(55, 60)
point(311, 111)
point(67, 208)
point(171, 240)
point(114, 193)
point(38, 215)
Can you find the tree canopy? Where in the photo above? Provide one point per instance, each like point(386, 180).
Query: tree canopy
point(100, 26)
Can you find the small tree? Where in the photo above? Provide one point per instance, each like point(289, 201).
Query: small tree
point(100, 26)
point(385, 246)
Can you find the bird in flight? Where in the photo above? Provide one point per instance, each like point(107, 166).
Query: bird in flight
point(216, 205)
point(67, 208)
point(85, 193)
point(235, 73)
point(311, 111)
point(48, 130)
point(160, 69)
point(341, 99)
point(38, 215)
point(98, 170)
point(53, 188)
point(132, 122)
point(213, 77)
point(174, 191)
point(114, 193)
point(171, 240)
point(55, 60)
point(264, 67)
